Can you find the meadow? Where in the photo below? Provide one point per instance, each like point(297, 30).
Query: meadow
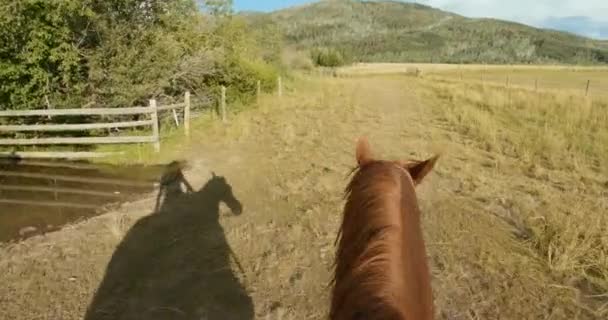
point(572, 79)
point(514, 214)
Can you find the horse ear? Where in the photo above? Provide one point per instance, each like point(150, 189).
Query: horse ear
point(419, 169)
point(364, 153)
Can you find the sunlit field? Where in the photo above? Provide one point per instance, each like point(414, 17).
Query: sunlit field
point(514, 214)
point(573, 79)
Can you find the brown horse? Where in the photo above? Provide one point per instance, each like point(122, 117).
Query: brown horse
point(381, 270)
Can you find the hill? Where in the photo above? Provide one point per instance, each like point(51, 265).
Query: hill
point(390, 31)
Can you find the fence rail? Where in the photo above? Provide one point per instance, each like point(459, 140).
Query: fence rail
point(76, 155)
point(151, 111)
point(152, 122)
point(76, 112)
point(74, 127)
point(86, 140)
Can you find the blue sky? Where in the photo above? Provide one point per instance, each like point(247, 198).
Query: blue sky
point(266, 5)
point(585, 17)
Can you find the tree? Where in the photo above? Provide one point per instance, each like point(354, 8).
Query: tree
point(327, 57)
point(42, 47)
point(119, 53)
point(217, 7)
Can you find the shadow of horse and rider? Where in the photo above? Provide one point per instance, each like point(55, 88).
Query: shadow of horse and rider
point(175, 263)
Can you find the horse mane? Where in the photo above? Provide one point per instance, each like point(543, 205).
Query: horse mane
point(367, 281)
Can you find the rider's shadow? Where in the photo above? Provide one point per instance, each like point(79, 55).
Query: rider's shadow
point(176, 264)
point(171, 187)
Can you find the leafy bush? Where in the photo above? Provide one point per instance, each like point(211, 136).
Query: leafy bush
point(297, 60)
point(327, 58)
point(41, 51)
point(242, 75)
point(75, 53)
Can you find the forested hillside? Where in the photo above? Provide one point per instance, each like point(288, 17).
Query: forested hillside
point(390, 31)
point(87, 53)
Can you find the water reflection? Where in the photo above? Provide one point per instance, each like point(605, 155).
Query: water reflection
point(41, 196)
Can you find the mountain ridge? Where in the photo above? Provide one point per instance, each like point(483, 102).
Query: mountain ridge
point(392, 31)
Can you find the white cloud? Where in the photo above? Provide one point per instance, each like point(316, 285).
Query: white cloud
point(532, 12)
point(527, 10)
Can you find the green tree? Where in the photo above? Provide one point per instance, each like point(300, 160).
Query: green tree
point(217, 7)
point(43, 52)
point(71, 53)
point(327, 57)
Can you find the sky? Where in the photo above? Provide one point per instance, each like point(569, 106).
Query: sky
point(585, 17)
point(266, 5)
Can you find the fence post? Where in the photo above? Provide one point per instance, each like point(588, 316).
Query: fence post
point(223, 104)
point(536, 84)
point(508, 92)
point(175, 117)
point(155, 130)
point(187, 114)
point(258, 90)
point(587, 89)
point(280, 85)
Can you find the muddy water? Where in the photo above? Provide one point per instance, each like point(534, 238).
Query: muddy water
point(43, 196)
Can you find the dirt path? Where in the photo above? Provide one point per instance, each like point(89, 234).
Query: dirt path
point(289, 163)
point(286, 163)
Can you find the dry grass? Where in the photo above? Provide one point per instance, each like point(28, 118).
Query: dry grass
point(385, 68)
point(513, 221)
point(546, 150)
point(533, 77)
point(558, 130)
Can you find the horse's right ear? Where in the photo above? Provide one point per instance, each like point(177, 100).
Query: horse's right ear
point(364, 153)
point(419, 169)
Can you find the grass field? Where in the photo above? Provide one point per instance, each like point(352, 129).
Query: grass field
point(514, 214)
point(572, 79)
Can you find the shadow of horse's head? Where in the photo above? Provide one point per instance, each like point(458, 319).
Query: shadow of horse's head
point(222, 191)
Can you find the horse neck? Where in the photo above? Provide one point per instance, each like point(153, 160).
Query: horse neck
point(386, 276)
point(415, 271)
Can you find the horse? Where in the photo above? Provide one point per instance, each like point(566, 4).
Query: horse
point(380, 268)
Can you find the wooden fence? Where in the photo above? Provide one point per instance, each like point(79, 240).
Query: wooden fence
point(151, 111)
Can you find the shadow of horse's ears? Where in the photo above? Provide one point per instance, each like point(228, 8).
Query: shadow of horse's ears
point(213, 174)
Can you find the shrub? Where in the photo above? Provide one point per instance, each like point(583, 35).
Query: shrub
point(327, 57)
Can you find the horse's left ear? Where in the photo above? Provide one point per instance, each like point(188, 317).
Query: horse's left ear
point(364, 152)
point(419, 169)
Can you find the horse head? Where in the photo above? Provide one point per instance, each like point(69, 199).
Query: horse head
point(222, 191)
point(415, 168)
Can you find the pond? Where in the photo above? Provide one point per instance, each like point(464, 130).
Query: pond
point(40, 196)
